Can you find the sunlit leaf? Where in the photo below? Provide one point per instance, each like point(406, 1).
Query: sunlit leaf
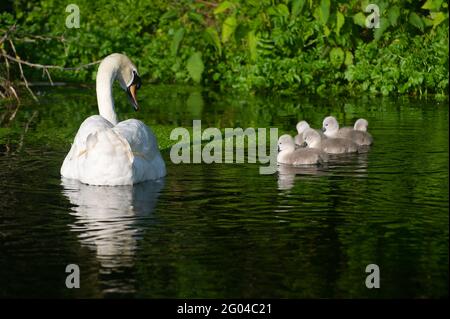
point(432, 5)
point(228, 28)
point(223, 6)
point(337, 57)
point(195, 66)
point(283, 10)
point(348, 58)
point(252, 45)
point(326, 31)
point(340, 20)
point(437, 18)
point(360, 19)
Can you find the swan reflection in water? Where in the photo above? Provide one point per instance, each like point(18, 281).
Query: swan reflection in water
point(111, 220)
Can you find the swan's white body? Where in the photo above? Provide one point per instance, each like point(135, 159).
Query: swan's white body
point(105, 152)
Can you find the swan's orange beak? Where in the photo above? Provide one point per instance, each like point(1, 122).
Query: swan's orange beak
point(132, 95)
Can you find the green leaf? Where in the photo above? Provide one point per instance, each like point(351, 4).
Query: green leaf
point(252, 45)
point(195, 66)
point(348, 58)
point(297, 6)
point(360, 19)
point(223, 6)
point(337, 57)
point(171, 14)
point(283, 10)
point(195, 17)
point(416, 21)
point(393, 14)
point(324, 11)
point(228, 28)
point(437, 18)
point(326, 31)
point(213, 38)
point(178, 36)
point(432, 5)
point(384, 24)
point(340, 20)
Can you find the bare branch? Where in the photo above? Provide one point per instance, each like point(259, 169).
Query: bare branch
point(45, 66)
point(22, 74)
point(5, 36)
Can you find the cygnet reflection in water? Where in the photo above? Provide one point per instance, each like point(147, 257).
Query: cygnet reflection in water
point(287, 173)
point(110, 220)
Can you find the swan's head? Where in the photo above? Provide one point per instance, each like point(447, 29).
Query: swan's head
point(361, 125)
point(125, 72)
point(312, 138)
point(330, 126)
point(302, 126)
point(286, 142)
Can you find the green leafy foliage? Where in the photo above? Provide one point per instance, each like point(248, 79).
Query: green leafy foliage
point(288, 46)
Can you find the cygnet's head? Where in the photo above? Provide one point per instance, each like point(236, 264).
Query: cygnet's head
point(302, 126)
point(361, 125)
point(330, 126)
point(312, 138)
point(286, 142)
point(125, 72)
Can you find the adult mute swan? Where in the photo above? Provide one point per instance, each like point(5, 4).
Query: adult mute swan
point(105, 152)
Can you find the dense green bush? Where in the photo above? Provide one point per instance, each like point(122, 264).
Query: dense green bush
point(291, 46)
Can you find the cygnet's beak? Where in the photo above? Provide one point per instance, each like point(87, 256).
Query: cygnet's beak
point(304, 144)
point(323, 129)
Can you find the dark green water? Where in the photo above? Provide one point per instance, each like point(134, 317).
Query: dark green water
point(223, 230)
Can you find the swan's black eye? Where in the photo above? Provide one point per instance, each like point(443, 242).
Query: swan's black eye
point(136, 80)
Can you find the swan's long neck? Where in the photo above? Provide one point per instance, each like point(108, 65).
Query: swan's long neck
point(105, 77)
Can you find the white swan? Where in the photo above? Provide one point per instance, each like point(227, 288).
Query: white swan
point(105, 152)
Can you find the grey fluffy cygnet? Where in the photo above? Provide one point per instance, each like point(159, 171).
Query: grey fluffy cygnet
point(301, 127)
point(303, 156)
point(357, 134)
point(328, 145)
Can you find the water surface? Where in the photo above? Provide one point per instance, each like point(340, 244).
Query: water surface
point(223, 230)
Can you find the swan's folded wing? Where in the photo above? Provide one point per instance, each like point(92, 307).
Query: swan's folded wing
point(139, 136)
point(91, 125)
